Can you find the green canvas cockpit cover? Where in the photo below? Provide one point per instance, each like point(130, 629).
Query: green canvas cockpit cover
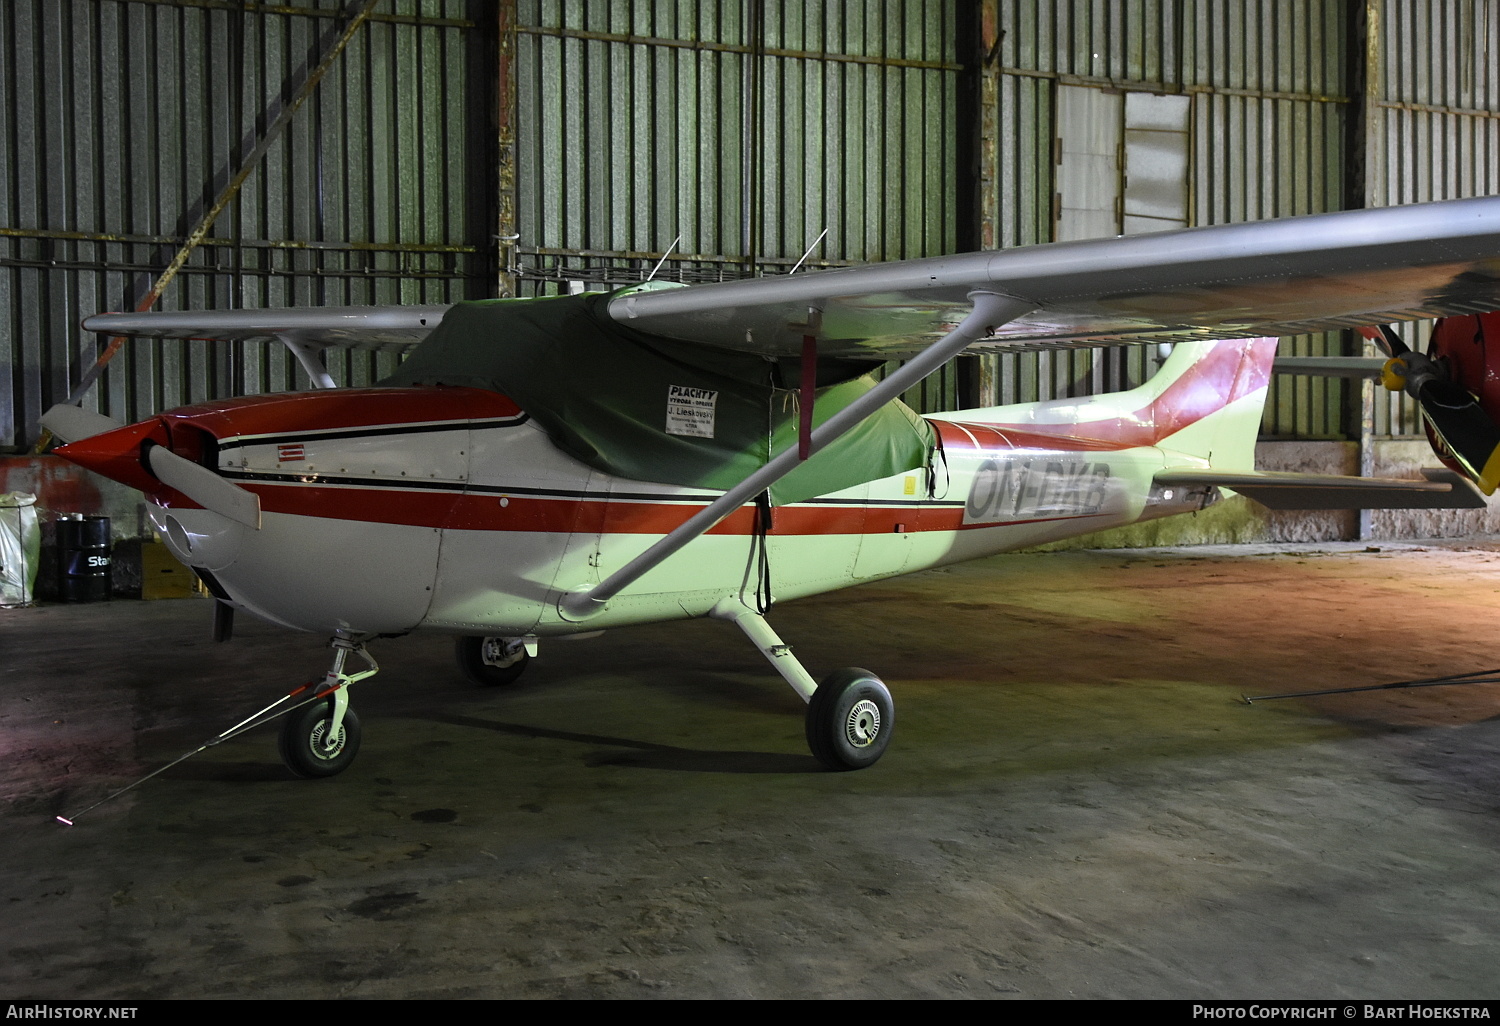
point(648, 408)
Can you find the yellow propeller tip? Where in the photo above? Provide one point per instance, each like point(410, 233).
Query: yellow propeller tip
point(1393, 374)
point(1489, 477)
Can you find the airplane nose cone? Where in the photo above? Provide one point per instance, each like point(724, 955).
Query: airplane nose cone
point(197, 537)
point(117, 454)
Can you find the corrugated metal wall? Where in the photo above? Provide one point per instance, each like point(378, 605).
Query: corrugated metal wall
point(121, 122)
point(1270, 84)
point(1266, 82)
point(746, 127)
point(745, 131)
point(460, 147)
point(1432, 123)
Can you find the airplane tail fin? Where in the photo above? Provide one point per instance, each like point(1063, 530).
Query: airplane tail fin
point(1204, 403)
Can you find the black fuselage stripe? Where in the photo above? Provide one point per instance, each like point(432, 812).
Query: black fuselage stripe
point(354, 434)
point(293, 478)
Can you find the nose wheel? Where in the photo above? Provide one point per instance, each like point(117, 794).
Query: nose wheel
point(320, 737)
point(311, 747)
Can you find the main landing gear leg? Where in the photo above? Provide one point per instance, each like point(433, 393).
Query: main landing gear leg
point(320, 737)
point(849, 716)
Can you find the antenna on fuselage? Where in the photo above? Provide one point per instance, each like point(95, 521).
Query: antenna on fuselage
point(808, 252)
point(664, 257)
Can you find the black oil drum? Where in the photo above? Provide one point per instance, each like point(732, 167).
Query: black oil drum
point(83, 551)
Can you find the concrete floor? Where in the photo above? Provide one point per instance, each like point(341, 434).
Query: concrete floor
point(1075, 803)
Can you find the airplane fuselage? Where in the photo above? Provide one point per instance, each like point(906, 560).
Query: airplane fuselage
point(379, 511)
point(391, 510)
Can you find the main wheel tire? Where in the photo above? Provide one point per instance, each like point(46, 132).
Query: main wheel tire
point(849, 719)
point(470, 655)
point(301, 741)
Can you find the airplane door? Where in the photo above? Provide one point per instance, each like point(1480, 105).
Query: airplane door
point(528, 526)
point(579, 566)
point(893, 518)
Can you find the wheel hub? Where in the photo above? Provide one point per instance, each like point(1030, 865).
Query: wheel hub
point(862, 726)
point(318, 738)
point(500, 653)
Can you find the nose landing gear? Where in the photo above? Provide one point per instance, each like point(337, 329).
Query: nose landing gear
point(311, 746)
point(320, 737)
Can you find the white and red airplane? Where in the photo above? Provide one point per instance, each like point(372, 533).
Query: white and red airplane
point(550, 467)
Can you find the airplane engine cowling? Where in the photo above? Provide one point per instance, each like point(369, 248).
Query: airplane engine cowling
point(1468, 349)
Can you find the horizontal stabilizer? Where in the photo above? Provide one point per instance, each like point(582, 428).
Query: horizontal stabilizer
point(70, 423)
point(1438, 489)
point(1330, 366)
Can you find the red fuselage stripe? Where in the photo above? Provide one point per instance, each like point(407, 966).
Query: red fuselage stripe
point(439, 509)
point(1221, 376)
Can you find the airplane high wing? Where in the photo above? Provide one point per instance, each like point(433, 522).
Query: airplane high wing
point(1246, 280)
point(1266, 278)
point(553, 466)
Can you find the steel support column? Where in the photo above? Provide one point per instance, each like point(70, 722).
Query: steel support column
point(1364, 76)
point(506, 232)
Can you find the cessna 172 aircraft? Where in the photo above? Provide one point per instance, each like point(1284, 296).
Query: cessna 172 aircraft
point(561, 465)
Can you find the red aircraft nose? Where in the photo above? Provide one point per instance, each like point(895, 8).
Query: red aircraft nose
point(117, 454)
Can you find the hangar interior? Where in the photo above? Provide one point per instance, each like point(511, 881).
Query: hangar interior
point(441, 150)
point(364, 152)
point(329, 153)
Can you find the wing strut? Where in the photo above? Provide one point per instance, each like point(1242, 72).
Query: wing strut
point(809, 382)
point(310, 356)
point(991, 310)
